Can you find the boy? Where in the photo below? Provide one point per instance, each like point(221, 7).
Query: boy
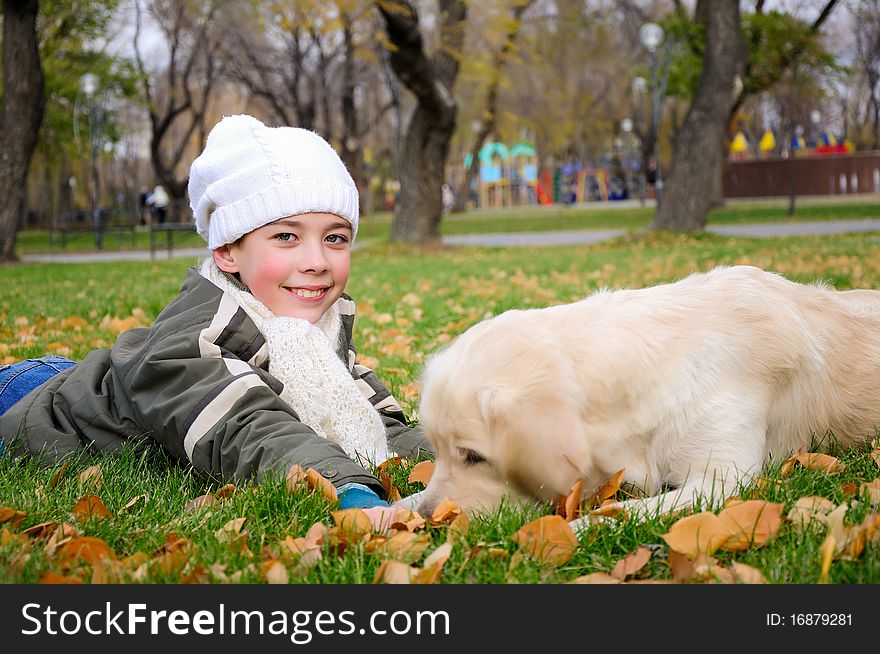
point(251, 368)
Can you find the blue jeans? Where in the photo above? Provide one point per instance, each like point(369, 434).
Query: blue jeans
point(19, 379)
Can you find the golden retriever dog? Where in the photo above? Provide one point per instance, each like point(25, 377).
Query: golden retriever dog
point(690, 387)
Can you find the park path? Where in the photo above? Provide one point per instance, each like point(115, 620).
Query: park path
point(508, 239)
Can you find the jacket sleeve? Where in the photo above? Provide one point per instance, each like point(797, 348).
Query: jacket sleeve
point(408, 442)
point(196, 388)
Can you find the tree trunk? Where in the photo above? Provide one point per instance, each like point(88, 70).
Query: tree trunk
point(419, 209)
point(689, 187)
point(21, 115)
point(420, 205)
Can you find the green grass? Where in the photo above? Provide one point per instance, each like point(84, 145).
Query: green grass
point(410, 301)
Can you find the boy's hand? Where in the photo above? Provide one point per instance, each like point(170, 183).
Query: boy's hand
point(358, 496)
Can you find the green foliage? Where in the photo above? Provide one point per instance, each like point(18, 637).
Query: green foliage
point(775, 41)
point(72, 34)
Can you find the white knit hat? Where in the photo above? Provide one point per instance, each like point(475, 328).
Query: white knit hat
point(250, 175)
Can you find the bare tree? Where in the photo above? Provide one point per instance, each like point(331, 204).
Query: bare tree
point(177, 105)
point(21, 114)
point(419, 210)
point(489, 115)
point(685, 204)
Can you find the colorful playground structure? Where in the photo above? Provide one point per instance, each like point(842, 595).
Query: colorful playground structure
point(510, 177)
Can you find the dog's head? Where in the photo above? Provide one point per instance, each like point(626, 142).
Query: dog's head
point(502, 409)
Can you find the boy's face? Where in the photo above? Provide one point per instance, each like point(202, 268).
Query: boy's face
point(297, 266)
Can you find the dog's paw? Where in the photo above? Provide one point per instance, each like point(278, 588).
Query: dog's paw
point(581, 525)
point(410, 502)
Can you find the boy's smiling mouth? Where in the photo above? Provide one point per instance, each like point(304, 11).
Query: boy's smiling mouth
point(308, 292)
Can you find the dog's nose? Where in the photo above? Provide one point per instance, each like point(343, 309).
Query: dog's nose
point(426, 508)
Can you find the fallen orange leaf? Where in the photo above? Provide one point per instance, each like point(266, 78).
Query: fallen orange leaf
point(569, 507)
point(11, 516)
point(608, 488)
point(703, 532)
point(809, 508)
point(85, 548)
point(421, 472)
point(318, 482)
point(596, 578)
point(751, 524)
point(354, 523)
point(90, 506)
point(405, 546)
point(225, 492)
point(199, 502)
point(549, 540)
point(91, 477)
point(445, 512)
point(50, 577)
point(394, 572)
point(631, 563)
point(746, 574)
point(871, 491)
point(815, 461)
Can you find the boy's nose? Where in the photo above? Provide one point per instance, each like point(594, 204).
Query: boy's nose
point(313, 259)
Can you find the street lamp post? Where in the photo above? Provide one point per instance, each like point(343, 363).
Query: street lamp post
point(89, 84)
point(651, 36)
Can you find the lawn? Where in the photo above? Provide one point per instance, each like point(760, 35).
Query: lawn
point(410, 301)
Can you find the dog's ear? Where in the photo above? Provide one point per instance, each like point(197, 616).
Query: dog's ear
point(538, 439)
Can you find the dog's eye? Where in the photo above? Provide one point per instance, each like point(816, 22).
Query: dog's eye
point(472, 457)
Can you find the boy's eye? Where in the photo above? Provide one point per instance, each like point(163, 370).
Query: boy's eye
point(285, 236)
point(337, 238)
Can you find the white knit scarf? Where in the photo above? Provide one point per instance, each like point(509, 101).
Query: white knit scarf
point(316, 382)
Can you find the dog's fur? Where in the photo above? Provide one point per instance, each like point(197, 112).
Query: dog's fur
point(691, 386)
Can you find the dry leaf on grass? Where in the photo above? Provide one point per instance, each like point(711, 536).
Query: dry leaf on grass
point(826, 552)
point(746, 574)
point(225, 492)
point(871, 491)
point(445, 513)
point(404, 546)
point(200, 502)
point(274, 572)
point(814, 461)
point(394, 572)
point(11, 517)
point(60, 473)
point(313, 479)
point(133, 502)
point(421, 472)
point(608, 489)
point(596, 578)
point(751, 524)
point(355, 524)
point(84, 549)
point(549, 540)
point(50, 577)
point(700, 533)
point(569, 507)
point(810, 508)
point(232, 529)
point(631, 563)
point(91, 478)
point(90, 506)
